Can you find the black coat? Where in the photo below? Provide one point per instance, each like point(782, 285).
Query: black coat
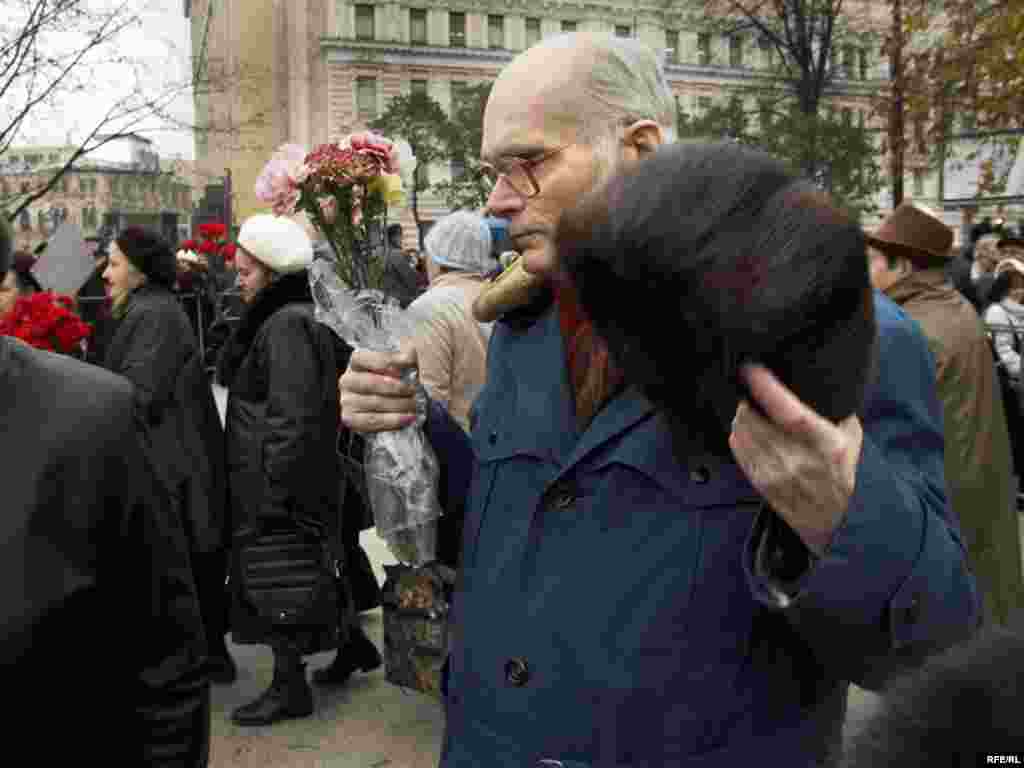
point(98, 614)
point(281, 422)
point(153, 345)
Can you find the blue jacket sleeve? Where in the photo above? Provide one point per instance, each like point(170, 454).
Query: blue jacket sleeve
point(894, 585)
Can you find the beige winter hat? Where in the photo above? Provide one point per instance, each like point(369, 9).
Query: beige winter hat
point(276, 242)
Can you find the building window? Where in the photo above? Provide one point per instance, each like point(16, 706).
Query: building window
point(366, 97)
point(704, 48)
point(622, 30)
point(735, 51)
point(532, 32)
point(918, 183)
point(495, 31)
point(418, 26)
point(672, 45)
point(568, 26)
point(364, 22)
point(863, 55)
point(456, 29)
point(418, 87)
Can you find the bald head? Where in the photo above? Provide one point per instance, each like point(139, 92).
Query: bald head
point(580, 85)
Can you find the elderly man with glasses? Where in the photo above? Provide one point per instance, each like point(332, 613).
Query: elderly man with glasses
point(619, 606)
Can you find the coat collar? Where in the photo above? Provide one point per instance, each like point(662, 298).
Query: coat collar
point(916, 284)
point(544, 421)
point(285, 290)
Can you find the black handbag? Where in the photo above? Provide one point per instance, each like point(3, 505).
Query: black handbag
point(288, 576)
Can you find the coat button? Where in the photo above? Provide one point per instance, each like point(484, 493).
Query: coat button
point(912, 612)
point(700, 475)
point(516, 672)
point(492, 438)
point(561, 496)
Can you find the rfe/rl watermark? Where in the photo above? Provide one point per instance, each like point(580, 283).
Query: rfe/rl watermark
point(1009, 759)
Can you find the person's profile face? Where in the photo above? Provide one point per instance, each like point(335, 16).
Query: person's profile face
point(253, 276)
point(527, 120)
point(120, 274)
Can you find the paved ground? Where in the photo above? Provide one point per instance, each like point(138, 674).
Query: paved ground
point(367, 724)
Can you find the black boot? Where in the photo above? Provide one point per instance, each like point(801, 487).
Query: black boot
point(358, 653)
point(289, 694)
point(220, 666)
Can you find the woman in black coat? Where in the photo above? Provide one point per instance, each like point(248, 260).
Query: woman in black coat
point(280, 368)
point(152, 345)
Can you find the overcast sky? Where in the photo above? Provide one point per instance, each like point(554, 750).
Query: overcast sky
point(161, 47)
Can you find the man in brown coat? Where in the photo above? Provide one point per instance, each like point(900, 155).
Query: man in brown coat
point(907, 256)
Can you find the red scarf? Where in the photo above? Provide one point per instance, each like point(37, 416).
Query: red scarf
point(594, 377)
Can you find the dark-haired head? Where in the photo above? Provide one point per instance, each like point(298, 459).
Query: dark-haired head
point(6, 243)
point(708, 256)
point(150, 254)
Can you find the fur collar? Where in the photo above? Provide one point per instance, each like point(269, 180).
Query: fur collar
point(287, 289)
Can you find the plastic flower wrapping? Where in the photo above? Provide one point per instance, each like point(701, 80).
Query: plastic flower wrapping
point(401, 468)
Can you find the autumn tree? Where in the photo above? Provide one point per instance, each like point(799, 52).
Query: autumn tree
point(422, 122)
point(787, 105)
point(963, 70)
point(466, 188)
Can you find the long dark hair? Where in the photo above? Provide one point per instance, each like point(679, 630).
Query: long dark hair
point(708, 256)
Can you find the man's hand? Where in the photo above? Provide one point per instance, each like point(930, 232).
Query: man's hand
point(373, 396)
point(803, 465)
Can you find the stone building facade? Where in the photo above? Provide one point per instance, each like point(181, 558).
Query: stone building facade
point(328, 67)
point(96, 193)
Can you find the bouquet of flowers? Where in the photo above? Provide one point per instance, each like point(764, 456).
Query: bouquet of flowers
point(46, 321)
point(345, 189)
point(194, 255)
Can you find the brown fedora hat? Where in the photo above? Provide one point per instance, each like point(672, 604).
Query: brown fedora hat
point(914, 233)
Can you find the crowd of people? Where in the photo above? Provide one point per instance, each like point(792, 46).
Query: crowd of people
point(730, 455)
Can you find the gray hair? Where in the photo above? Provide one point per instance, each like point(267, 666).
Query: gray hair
point(624, 81)
point(462, 241)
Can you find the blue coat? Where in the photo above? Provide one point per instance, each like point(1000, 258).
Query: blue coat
point(618, 608)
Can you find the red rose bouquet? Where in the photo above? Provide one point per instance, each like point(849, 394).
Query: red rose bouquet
point(345, 189)
point(46, 321)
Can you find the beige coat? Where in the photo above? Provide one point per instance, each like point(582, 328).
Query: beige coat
point(452, 345)
point(977, 458)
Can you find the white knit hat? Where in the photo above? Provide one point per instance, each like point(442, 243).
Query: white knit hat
point(461, 240)
point(276, 242)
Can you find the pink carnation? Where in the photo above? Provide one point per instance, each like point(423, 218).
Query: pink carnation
point(279, 182)
point(376, 146)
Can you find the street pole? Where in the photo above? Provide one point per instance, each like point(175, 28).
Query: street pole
point(896, 117)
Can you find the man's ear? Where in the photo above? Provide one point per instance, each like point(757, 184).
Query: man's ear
point(644, 137)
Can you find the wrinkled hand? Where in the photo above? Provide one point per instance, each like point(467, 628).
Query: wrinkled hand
point(803, 465)
point(373, 396)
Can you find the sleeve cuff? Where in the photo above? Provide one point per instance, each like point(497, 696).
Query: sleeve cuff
point(872, 554)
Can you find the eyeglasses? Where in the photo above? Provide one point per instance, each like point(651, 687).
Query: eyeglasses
point(519, 173)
